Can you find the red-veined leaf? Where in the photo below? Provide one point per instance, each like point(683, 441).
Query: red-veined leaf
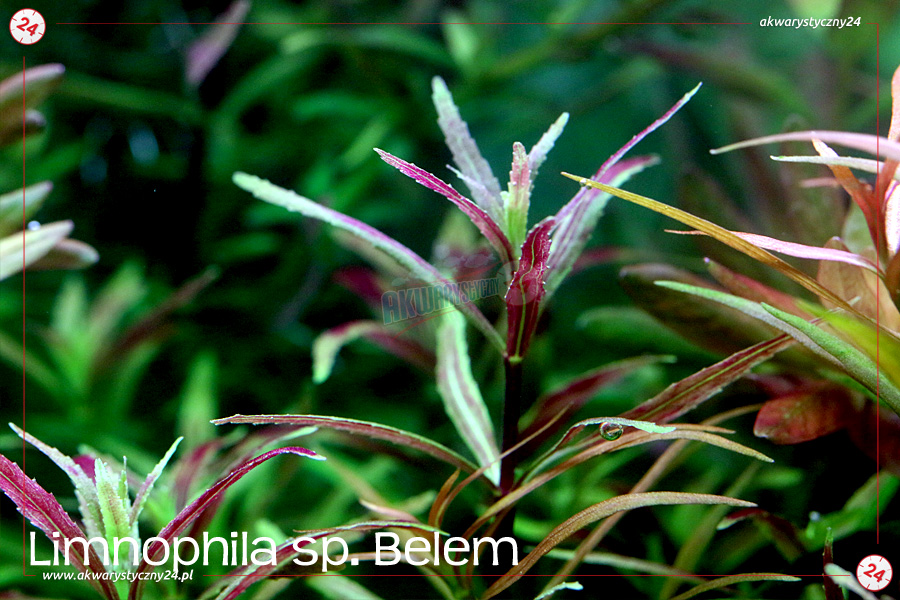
point(877, 146)
point(485, 223)
point(518, 195)
point(690, 392)
point(523, 299)
point(196, 508)
point(363, 428)
point(601, 511)
point(41, 508)
point(461, 395)
point(745, 287)
point(419, 267)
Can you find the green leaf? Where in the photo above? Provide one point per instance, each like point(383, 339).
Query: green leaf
point(461, 395)
point(19, 206)
point(415, 264)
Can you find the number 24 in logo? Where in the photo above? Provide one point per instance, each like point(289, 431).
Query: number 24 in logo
point(27, 26)
point(874, 572)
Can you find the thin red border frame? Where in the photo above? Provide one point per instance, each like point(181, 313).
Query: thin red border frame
point(877, 331)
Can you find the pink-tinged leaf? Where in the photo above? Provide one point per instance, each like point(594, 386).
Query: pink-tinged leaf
point(523, 299)
point(862, 193)
point(653, 127)
point(462, 397)
point(690, 392)
point(892, 220)
point(196, 508)
point(363, 428)
point(748, 288)
point(39, 82)
point(863, 288)
point(362, 282)
point(730, 580)
point(67, 254)
point(568, 399)
point(798, 250)
point(190, 468)
point(805, 415)
point(466, 155)
point(599, 511)
point(41, 508)
point(243, 577)
point(575, 222)
point(482, 220)
point(518, 196)
point(538, 152)
point(82, 478)
point(860, 141)
point(405, 257)
point(328, 344)
point(205, 52)
point(24, 249)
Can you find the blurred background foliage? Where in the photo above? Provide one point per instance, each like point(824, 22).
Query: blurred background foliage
point(205, 304)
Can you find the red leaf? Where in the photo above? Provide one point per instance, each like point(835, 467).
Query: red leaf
point(523, 300)
point(881, 440)
point(805, 415)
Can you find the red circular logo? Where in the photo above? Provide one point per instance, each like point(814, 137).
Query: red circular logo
point(874, 572)
point(27, 26)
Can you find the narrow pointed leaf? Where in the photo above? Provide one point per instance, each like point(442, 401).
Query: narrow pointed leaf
point(420, 268)
point(482, 220)
point(650, 129)
point(721, 582)
point(67, 254)
point(205, 52)
point(143, 493)
point(85, 490)
point(196, 508)
point(539, 151)
point(745, 287)
point(518, 195)
point(601, 511)
point(526, 291)
point(38, 83)
point(575, 222)
point(855, 363)
point(36, 244)
point(721, 234)
point(566, 585)
point(328, 344)
point(19, 206)
point(848, 581)
point(461, 395)
point(799, 250)
point(877, 146)
point(113, 511)
point(690, 392)
point(466, 155)
point(41, 508)
point(708, 324)
point(355, 427)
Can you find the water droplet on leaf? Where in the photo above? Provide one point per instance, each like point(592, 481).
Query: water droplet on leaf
point(33, 226)
point(583, 182)
point(611, 431)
